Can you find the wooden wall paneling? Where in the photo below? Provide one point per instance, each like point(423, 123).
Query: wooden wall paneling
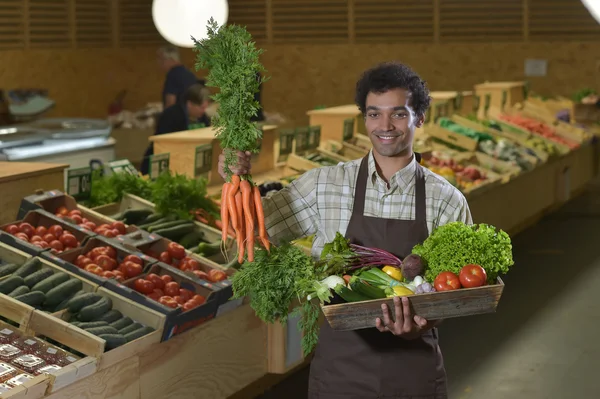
point(476, 20)
point(49, 24)
point(394, 20)
point(252, 14)
point(93, 24)
point(12, 24)
point(561, 20)
point(310, 21)
point(136, 26)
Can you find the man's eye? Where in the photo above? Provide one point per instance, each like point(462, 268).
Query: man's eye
point(400, 116)
point(373, 115)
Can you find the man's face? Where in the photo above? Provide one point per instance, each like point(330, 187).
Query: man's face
point(391, 122)
point(196, 110)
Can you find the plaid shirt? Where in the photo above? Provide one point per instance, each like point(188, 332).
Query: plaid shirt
point(320, 202)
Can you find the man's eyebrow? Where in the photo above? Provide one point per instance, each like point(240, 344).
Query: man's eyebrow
point(399, 108)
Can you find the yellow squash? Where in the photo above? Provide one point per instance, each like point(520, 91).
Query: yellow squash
point(393, 272)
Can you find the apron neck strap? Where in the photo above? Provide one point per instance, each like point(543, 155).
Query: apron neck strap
point(361, 188)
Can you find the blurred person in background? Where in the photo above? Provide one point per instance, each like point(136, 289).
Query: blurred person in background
point(178, 78)
point(189, 110)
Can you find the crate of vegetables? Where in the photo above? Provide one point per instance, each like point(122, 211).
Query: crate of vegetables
point(40, 231)
point(184, 302)
point(100, 260)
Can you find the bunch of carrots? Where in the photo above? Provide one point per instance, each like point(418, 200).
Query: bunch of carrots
point(242, 213)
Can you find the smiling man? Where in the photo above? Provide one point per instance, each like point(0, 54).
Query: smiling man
point(385, 200)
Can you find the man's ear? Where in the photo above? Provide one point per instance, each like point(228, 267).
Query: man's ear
point(420, 121)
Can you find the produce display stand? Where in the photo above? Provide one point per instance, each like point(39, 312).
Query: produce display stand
point(19, 179)
point(332, 120)
point(501, 94)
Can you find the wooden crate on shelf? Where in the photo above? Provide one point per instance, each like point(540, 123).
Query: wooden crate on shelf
point(344, 150)
point(452, 138)
point(505, 170)
point(432, 306)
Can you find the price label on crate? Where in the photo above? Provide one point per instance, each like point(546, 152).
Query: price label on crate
point(159, 164)
point(203, 161)
point(123, 166)
point(79, 183)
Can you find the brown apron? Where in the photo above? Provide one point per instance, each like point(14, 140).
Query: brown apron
point(367, 363)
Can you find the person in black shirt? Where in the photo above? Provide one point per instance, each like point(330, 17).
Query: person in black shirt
point(178, 78)
point(178, 117)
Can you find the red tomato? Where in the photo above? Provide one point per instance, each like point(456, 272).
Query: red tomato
point(68, 240)
point(154, 296)
point(62, 211)
point(36, 238)
point(94, 253)
point(201, 275)
point(472, 276)
point(172, 289)
point(12, 229)
point(108, 234)
point(22, 236)
point(108, 274)
point(49, 238)
point(446, 281)
point(144, 286)
point(43, 244)
point(77, 219)
point(120, 227)
point(186, 294)
point(132, 269)
point(189, 305)
point(179, 299)
point(176, 251)
point(75, 212)
point(85, 221)
point(217, 275)
point(106, 262)
point(165, 257)
point(111, 252)
point(156, 280)
point(192, 264)
point(198, 299)
point(168, 301)
point(55, 230)
point(41, 231)
point(57, 245)
point(159, 292)
point(186, 267)
point(37, 243)
point(27, 229)
point(95, 269)
point(134, 259)
point(166, 278)
point(90, 225)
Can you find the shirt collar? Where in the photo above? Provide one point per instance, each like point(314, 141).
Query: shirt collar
point(400, 179)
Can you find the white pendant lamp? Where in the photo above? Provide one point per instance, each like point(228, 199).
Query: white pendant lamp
point(178, 20)
point(593, 7)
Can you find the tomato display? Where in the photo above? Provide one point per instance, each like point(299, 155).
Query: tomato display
point(173, 257)
point(109, 230)
point(164, 290)
point(103, 262)
point(446, 281)
point(53, 237)
point(471, 276)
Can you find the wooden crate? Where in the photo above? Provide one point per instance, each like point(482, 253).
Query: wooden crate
point(450, 137)
point(505, 170)
point(432, 306)
point(344, 150)
point(536, 110)
point(9, 254)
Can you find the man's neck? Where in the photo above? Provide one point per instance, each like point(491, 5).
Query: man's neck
point(389, 166)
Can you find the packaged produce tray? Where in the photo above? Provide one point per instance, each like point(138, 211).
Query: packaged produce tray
point(177, 318)
point(101, 259)
point(432, 306)
point(50, 224)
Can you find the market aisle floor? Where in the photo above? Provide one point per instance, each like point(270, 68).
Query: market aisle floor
point(543, 342)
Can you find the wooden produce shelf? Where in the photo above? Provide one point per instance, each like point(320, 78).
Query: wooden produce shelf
point(20, 179)
point(332, 120)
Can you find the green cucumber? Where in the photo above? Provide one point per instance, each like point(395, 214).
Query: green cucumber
point(348, 295)
point(8, 269)
point(122, 323)
point(110, 317)
point(113, 340)
point(134, 216)
point(58, 294)
point(367, 290)
point(53, 281)
point(130, 328)
point(33, 298)
point(78, 302)
point(175, 233)
point(101, 330)
point(11, 283)
point(19, 291)
point(65, 302)
point(192, 239)
point(30, 266)
point(92, 312)
point(206, 249)
point(139, 333)
point(155, 217)
point(91, 324)
point(38, 276)
point(166, 225)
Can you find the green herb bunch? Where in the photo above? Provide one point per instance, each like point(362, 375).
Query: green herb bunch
point(109, 189)
point(232, 59)
point(454, 245)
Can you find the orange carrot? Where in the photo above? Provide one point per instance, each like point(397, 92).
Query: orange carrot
point(260, 217)
point(231, 204)
point(248, 204)
point(224, 212)
point(240, 222)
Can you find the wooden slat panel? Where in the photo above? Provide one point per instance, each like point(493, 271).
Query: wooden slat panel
point(49, 24)
point(310, 21)
point(391, 20)
point(93, 26)
point(12, 24)
point(476, 20)
point(252, 14)
point(561, 20)
point(135, 23)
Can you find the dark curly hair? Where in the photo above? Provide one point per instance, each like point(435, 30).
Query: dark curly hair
point(393, 75)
